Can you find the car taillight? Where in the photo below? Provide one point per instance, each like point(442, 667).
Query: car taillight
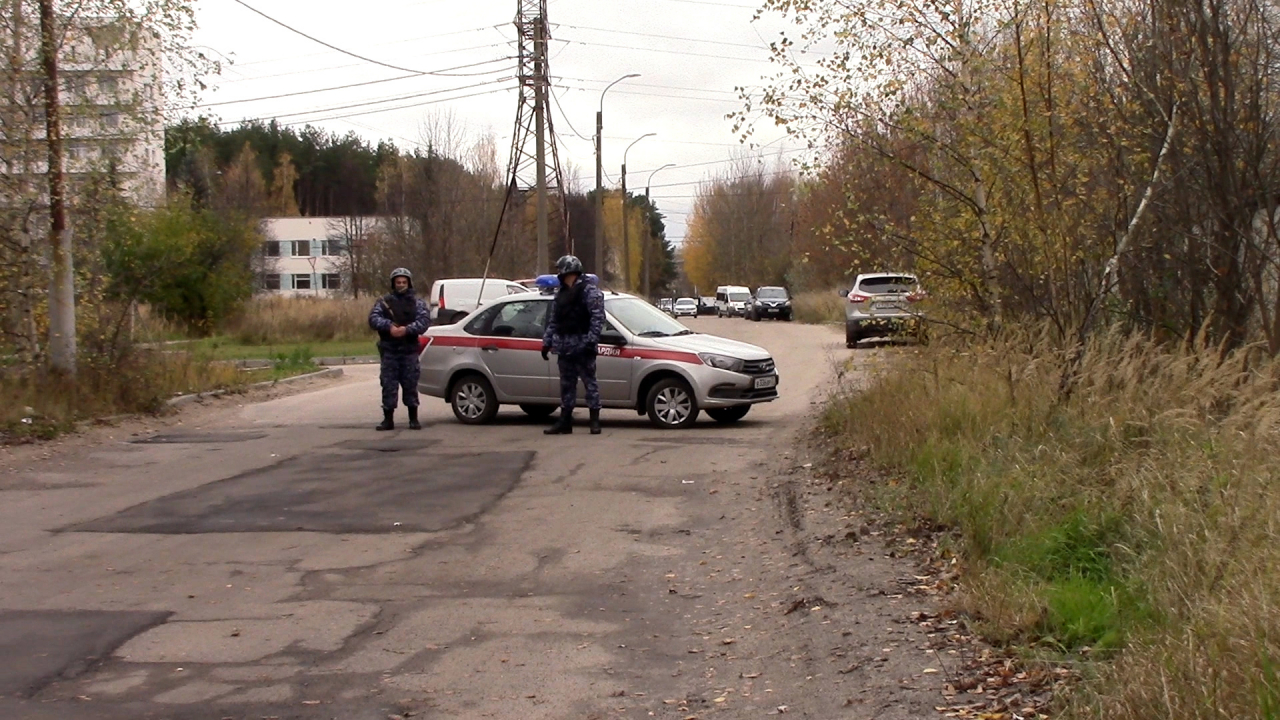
point(442, 298)
point(857, 297)
point(916, 296)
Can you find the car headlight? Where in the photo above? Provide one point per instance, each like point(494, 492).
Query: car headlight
point(721, 362)
point(787, 303)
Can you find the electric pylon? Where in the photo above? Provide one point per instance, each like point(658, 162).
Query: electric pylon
point(534, 171)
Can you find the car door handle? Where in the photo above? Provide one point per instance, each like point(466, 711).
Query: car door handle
point(490, 348)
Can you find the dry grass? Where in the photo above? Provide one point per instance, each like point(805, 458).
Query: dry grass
point(1135, 524)
point(34, 405)
point(276, 320)
point(819, 307)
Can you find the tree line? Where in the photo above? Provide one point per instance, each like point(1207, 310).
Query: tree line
point(1072, 161)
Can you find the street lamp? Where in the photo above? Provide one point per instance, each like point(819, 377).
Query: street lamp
point(649, 240)
point(626, 241)
point(600, 264)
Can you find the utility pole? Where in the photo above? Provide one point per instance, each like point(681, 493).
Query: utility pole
point(626, 241)
point(648, 289)
point(540, 139)
point(532, 168)
point(600, 245)
point(62, 294)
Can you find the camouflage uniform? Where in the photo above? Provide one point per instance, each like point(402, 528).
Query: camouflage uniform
point(577, 350)
point(400, 369)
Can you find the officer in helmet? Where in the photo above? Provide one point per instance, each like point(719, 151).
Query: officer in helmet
point(399, 317)
point(573, 331)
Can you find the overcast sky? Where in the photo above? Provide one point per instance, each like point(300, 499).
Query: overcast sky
point(691, 54)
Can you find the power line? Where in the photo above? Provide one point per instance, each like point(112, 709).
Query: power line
point(399, 107)
point(671, 52)
point(314, 39)
point(665, 37)
point(373, 102)
point(354, 85)
point(565, 115)
point(396, 42)
point(654, 85)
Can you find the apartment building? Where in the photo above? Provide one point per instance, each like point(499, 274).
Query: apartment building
point(112, 99)
point(307, 256)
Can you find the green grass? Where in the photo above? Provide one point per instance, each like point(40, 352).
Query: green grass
point(224, 348)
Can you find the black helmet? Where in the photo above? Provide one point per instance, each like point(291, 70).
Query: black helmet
point(401, 272)
point(567, 265)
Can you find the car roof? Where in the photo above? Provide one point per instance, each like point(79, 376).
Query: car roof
point(888, 274)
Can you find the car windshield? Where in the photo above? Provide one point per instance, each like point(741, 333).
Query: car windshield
point(685, 301)
point(739, 297)
point(889, 284)
point(643, 319)
point(772, 293)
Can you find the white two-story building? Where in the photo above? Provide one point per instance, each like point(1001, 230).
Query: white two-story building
point(308, 256)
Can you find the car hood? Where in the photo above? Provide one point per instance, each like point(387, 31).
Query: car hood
point(698, 343)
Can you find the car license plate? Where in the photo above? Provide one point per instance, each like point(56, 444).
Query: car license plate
point(766, 382)
point(886, 305)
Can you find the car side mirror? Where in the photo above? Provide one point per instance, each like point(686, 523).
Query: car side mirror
point(612, 338)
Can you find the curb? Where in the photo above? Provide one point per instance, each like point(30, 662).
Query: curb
point(182, 400)
point(348, 360)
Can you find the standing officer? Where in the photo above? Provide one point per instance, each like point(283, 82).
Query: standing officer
point(573, 331)
point(399, 317)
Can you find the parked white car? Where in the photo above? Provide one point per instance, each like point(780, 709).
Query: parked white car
point(648, 363)
point(685, 307)
point(452, 299)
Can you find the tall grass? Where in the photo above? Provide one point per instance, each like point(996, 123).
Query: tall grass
point(279, 320)
point(818, 307)
point(36, 405)
point(1135, 524)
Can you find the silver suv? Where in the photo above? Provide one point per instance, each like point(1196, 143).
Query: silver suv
point(883, 304)
point(647, 362)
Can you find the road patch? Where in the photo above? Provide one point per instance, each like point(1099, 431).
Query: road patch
point(38, 647)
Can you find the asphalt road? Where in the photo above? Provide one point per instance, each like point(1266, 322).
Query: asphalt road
point(281, 560)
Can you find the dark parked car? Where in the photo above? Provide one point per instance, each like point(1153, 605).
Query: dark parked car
point(707, 305)
point(770, 302)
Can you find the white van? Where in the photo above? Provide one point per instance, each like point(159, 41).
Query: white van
point(732, 300)
point(452, 299)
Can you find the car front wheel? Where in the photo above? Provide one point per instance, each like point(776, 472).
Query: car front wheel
point(672, 405)
point(729, 414)
point(473, 400)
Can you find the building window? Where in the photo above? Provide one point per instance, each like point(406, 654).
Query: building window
point(331, 281)
point(271, 282)
point(301, 282)
point(302, 248)
point(271, 248)
point(112, 121)
point(107, 85)
point(332, 248)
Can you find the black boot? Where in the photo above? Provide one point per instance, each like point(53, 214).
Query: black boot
point(595, 421)
point(413, 419)
point(563, 426)
point(388, 421)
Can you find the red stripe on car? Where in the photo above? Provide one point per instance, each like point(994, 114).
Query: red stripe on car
point(528, 344)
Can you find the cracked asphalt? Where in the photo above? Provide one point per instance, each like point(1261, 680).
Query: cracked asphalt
point(278, 559)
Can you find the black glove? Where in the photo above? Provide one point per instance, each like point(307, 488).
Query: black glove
point(546, 352)
point(591, 350)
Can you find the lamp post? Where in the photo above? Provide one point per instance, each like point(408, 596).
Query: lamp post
point(600, 264)
point(649, 239)
point(626, 241)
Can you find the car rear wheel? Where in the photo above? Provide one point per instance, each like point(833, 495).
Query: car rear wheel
point(851, 338)
point(672, 405)
point(729, 414)
point(538, 412)
point(473, 400)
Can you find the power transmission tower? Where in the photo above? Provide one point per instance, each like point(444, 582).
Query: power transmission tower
point(532, 169)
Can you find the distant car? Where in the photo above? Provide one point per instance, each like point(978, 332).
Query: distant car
point(664, 304)
point(685, 307)
point(732, 300)
point(770, 302)
point(707, 305)
point(647, 363)
point(883, 305)
point(452, 299)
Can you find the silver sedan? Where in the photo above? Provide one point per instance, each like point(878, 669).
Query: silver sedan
point(647, 362)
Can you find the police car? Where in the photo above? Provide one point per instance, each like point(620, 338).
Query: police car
point(647, 362)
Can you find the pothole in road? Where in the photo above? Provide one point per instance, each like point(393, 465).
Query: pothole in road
point(179, 438)
point(38, 647)
point(348, 492)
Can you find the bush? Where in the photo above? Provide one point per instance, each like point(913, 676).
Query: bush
point(189, 264)
point(819, 307)
point(1140, 515)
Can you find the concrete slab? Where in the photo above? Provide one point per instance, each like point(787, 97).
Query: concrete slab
point(40, 646)
point(349, 492)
